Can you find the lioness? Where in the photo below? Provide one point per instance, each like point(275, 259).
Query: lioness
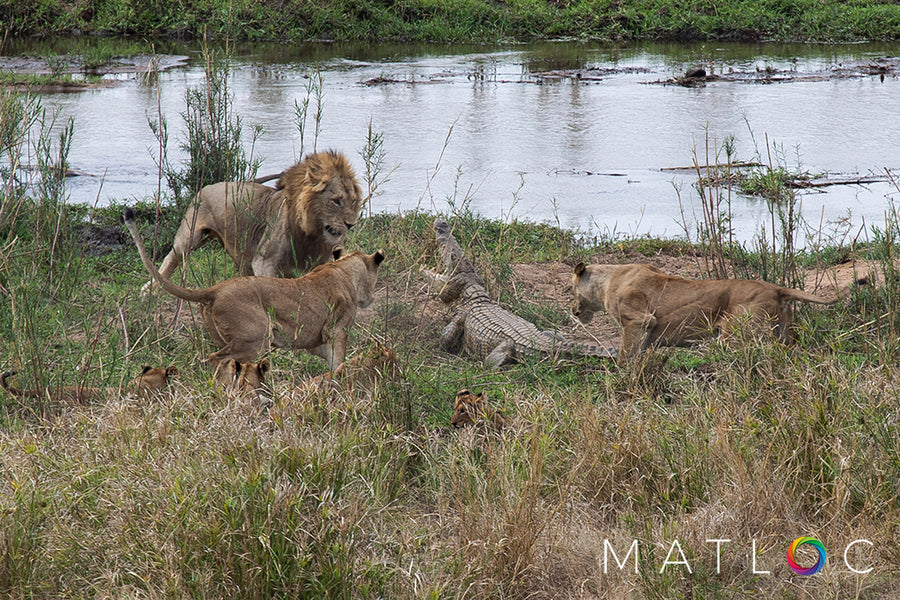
point(152, 380)
point(242, 379)
point(273, 231)
point(469, 408)
point(655, 308)
point(313, 312)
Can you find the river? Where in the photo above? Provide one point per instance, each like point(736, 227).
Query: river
point(580, 135)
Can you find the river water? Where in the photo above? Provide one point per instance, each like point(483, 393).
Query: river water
point(579, 135)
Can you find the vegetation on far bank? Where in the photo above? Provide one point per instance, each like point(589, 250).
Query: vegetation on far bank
point(367, 492)
point(461, 20)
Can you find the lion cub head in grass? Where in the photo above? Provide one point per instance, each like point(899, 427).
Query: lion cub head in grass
point(273, 232)
point(375, 363)
point(469, 409)
point(153, 380)
point(372, 366)
point(242, 379)
point(150, 382)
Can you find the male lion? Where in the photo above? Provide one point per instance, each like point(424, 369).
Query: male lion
point(273, 231)
point(469, 408)
point(313, 312)
point(152, 380)
point(655, 308)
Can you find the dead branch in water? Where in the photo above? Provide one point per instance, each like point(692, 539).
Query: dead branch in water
point(734, 165)
point(819, 183)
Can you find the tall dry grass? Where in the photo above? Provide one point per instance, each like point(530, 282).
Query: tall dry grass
point(368, 493)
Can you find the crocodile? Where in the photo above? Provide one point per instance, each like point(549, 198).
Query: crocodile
point(482, 327)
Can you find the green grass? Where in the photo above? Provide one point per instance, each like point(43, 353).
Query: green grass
point(369, 493)
point(465, 20)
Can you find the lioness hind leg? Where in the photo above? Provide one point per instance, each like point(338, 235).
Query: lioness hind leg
point(784, 323)
point(244, 348)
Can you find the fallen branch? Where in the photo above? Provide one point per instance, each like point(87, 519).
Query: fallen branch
point(734, 165)
point(818, 183)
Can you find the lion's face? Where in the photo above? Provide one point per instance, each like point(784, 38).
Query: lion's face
point(153, 379)
point(325, 189)
point(241, 378)
point(583, 306)
point(336, 209)
point(363, 272)
point(468, 408)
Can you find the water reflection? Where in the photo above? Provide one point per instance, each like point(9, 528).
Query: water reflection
point(482, 128)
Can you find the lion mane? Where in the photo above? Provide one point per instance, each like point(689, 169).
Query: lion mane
point(273, 232)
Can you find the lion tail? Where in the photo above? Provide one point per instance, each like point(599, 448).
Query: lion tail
point(12, 390)
point(792, 294)
point(169, 286)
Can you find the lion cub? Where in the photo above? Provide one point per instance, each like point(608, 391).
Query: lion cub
point(655, 308)
point(152, 380)
point(314, 312)
point(469, 408)
point(371, 366)
point(242, 379)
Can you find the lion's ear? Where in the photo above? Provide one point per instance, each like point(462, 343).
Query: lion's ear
point(264, 366)
point(172, 371)
point(579, 269)
point(146, 368)
point(337, 252)
point(378, 257)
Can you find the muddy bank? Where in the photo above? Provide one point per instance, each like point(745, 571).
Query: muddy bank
point(72, 73)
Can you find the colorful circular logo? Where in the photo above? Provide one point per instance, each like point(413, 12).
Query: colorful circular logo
point(802, 541)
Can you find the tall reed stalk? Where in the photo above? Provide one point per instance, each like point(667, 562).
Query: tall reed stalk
point(214, 140)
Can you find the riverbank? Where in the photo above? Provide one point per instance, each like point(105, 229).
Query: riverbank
point(456, 21)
